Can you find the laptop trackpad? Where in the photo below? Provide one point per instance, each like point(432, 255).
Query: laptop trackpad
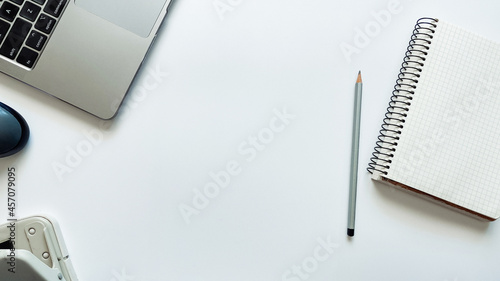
point(137, 16)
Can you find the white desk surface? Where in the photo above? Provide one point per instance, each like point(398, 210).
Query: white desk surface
point(212, 82)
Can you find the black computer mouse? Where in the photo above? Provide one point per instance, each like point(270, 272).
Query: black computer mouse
point(14, 131)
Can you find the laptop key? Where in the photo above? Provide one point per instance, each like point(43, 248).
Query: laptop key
point(8, 11)
point(30, 11)
point(18, 41)
point(18, 1)
point(54, 7)
point(36, 40)
point(4, 27)
point(15, 38)
point(45, 23)
point(27, 57)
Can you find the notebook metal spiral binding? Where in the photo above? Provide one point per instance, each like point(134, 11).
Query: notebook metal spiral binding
point(402, 95)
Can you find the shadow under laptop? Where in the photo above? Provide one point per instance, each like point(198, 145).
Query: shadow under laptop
point(423, 213)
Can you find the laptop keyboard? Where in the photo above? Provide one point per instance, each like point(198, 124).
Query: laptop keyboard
point(25, 28)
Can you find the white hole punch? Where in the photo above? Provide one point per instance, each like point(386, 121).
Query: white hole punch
point(33, 249)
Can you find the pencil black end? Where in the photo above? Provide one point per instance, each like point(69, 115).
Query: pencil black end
point(350, 232)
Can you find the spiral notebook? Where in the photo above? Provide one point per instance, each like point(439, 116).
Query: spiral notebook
point(441, 134)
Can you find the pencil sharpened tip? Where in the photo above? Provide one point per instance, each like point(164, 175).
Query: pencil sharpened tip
point(359, 78)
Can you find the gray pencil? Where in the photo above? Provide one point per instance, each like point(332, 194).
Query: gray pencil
point(358, 90)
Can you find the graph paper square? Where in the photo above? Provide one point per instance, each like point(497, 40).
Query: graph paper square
point(450, 144)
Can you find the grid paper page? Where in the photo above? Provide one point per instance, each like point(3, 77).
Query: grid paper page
point(450, 143)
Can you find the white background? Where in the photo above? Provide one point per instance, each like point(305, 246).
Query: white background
point(227, 74)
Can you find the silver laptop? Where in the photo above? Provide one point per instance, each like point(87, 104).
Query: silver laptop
point(84, 52)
